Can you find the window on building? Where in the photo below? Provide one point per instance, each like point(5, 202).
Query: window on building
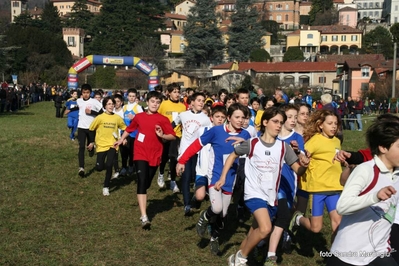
point(322, 79)
point(278, 18)
point(279, 7)
point(310, 36)
point(376, 14)
point(347, 19)
point(396, 8)
point(371, 5)
point(270, 7)
point(343, 38)
point(395, 20)
point(365, 14)
point(271, 17)
point(334, 38)
point(15, 4)
point(71, 41)
point(377, 5)
point(323, 38)
point(364, 5)
point(182, 47)
point(287, 7)
point(365, 72)
point(354, 38)
point(178, 75)
point(286, 17)
point(370, 13)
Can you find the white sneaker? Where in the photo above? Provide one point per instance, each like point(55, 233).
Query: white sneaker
point(161, 181)
point(145, 222)
point(240, 261)
point(116, 175)
point(174, 187)
point(231, 259)
point(106, 191)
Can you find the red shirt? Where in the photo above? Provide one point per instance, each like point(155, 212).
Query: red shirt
point(147, 145)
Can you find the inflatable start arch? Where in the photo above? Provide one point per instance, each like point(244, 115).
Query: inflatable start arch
point(82, 64)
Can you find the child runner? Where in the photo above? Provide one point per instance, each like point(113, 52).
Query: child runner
point(321, 179)
point(107, 127)
point(202, 180)
point(153, 130)
point(86, 106)
point(72, 110)
point(368, 203)
point(171, 108)
point(288, 185)
point(220, 148)
point(265, 158)
point(191, 121)
point(129, 111)
point(118, 110)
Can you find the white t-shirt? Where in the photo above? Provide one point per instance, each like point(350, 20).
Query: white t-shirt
point(85, 119)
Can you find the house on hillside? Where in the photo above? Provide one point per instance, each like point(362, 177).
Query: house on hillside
point(319, 75)
point(183, 8)
point(185, 80)
point(65, 6)
point(347, 16)
point(362, 74)
point(326, 39)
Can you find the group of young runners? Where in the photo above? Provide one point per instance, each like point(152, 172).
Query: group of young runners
point(276, 162)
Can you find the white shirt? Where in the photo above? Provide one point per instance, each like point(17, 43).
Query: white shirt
point(85, 119)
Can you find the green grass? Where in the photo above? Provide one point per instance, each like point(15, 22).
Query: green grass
point(50, 216)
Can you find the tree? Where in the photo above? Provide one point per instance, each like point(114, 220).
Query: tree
point(202, 34)
point(328, 17)
point(245, 33)
point(25, 20)
point(122, 23)
point(51, 21)
point(319, 7)
point(272, 27)
point(259, 55)
point(395, 31)
point(80, 17)
point(269, 83)
point(293, 54)
point(151, 51)
point(379, 41)
point(104, 77)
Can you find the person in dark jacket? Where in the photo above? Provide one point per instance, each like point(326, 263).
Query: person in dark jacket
point(58, 100)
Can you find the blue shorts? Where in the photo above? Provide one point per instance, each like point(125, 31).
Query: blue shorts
point(318, 201)
point(201, 181)
point(256, 203)
point(302, 193)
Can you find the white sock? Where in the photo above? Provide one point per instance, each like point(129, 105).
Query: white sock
point(271, 254)
point(297, 219)
point(240, 255)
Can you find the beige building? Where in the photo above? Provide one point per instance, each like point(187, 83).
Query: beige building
point(183, 8)
point(326, 39)
point(64, 6)
point(17, 7)
point(74, 38)
point(183, 79)
point(286, 13)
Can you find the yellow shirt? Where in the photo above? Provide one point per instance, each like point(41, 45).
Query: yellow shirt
point(171, 110)
point(322, 174)
point(106, 127)
point(258, 119)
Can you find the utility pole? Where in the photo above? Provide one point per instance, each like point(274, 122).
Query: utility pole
point(394, 70)
point(343, 89)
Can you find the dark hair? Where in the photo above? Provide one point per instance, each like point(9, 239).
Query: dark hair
point(221, 91)
point(158, 88)
point(132, 90)
point(304, 104)
point(236, 106)
point(196, 94)
point(242, 91)
point(173, 86)
point(106, 100)
point(268, 114)
point(72, 91)
point(219, 109)
point(154, 94)
point(266, 99)
point(118, 96)
point(98, 93)
point(229, 96)
point(387, 117)
point(189, 89)
point(382, 134)
point(86, 87)
point(254, 100)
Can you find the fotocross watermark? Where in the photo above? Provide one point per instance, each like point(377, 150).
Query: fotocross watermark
point(338, 254)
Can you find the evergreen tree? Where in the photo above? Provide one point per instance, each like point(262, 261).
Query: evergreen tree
point(80, 17)
point(202, 34)
point(25, 20)
point(318, 8)
point(259, 55)
point(121, 23)
point(394, 29)
point(245, 32)
point(379, 41)
point(293, 54)
point(51, 21)
point(272, 27)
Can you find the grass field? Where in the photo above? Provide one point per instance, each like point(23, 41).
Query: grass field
point(50, 216)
